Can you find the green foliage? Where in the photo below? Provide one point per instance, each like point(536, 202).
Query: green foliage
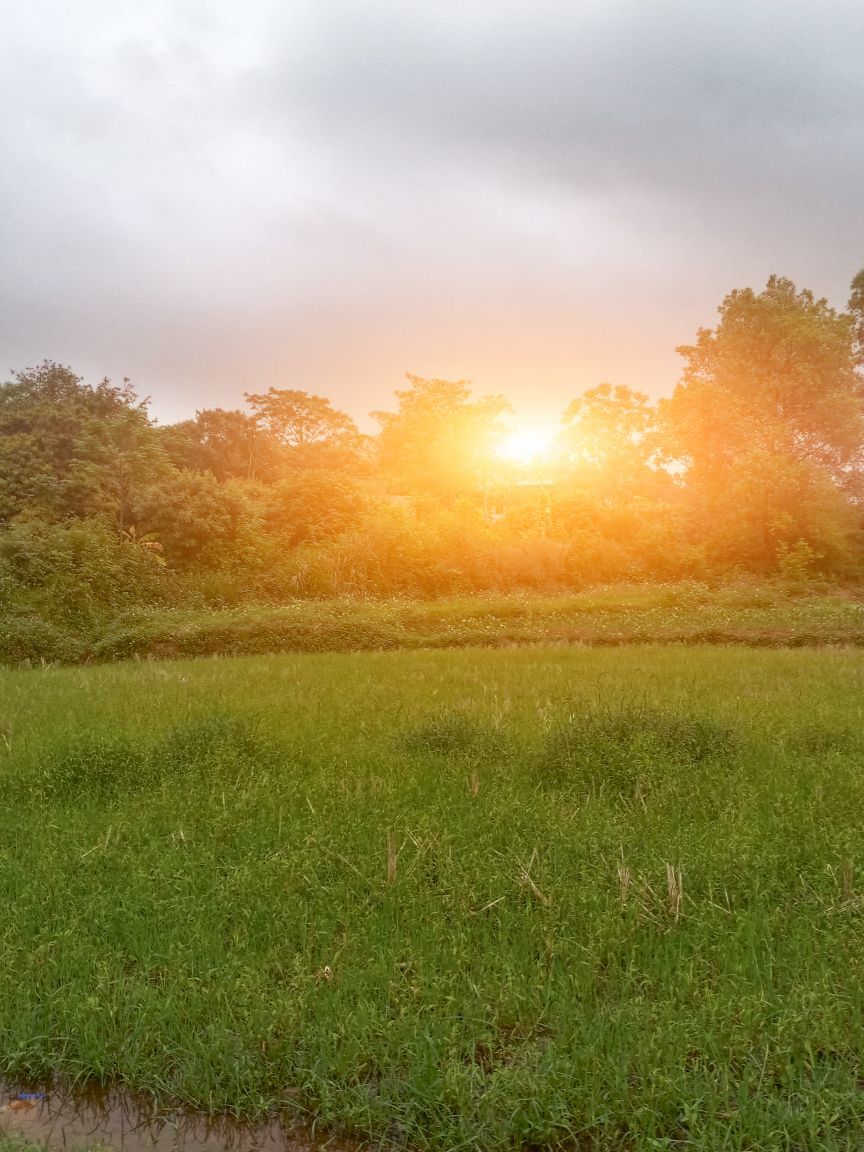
point(754, 465)
point(70, 450)
point(229, 445)
point(309, 505)
point(778, 371)
point(455, 732)
point(194, 517)
point(440, 441)
point(769, 420)
point(60, 581)
point(797, 563)
point(26, 637)
point(756, 615)
point(311, 432)
point(568, 965)
point(115, 766)
point(224, 742)
point(856, 314)
point(611, 431)
point(94, 767)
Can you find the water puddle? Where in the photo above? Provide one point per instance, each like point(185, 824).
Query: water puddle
point(125, 1123)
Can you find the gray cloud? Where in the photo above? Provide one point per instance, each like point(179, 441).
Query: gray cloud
point(207, 197)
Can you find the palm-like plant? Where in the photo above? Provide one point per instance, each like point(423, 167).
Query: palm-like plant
point(147, 541)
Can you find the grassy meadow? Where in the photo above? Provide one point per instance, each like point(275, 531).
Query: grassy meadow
point(772, 614)
point(474, 899)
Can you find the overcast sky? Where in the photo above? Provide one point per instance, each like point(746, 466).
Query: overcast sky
point(536, 196)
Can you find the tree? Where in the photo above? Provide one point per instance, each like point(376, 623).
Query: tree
point(772, 392)
point(193, 515)
point(439, 440)
point(147, 542)
point(231, 445)
point(856, 315)
point(610, 431)
point(300, 420)
point(313, 504)
point(67, 449)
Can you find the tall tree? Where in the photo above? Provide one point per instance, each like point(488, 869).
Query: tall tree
point(231, 445)
point(298, 419)
point(772, 391)
point(610, 431)
point(439, 439)
point(856, 314)
point(312, 504)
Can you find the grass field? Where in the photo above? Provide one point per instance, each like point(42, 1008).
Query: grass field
point(770, 615)
point(475, 899)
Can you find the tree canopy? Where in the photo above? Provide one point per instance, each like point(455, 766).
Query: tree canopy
point(440, 440)
point(753, 463)
point(768, 421)
point(67, 449)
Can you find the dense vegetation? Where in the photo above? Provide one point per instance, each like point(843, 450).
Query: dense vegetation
point(753, 465)
point(450, 900)
point(768, 615)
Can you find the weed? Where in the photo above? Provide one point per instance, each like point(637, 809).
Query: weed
point(211, 745)
point(454, 732)
point(217, 743)
point(624, 752)
point(96, 766)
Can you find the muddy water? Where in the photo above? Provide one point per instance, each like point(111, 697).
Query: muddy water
point(125, 1124)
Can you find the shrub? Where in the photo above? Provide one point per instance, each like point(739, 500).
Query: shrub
point(25, 637)
point(80, 571)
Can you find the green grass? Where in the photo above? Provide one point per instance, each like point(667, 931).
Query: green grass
point(758, 615)
point(14, 1143)
point(627, 912)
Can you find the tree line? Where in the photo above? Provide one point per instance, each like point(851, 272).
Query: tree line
point(754, 464)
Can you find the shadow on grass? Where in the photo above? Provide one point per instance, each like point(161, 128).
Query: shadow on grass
point(219, 744)
point(623, 752)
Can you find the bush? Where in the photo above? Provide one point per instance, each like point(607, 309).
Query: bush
point(217, 743)
point(797, 564)
point(30, 638)
point(80, 571)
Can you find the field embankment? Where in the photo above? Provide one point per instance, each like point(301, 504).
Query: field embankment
point(759, 616)
point(453, 900)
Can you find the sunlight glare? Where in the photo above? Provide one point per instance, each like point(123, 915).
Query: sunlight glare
point(524, 445)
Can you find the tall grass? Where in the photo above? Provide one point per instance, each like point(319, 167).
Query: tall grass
point(766, 615)
point(480, 899)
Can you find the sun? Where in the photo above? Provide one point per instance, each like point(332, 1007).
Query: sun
point(527, 444)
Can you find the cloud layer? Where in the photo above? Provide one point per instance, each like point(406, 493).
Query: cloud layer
point(211, 197)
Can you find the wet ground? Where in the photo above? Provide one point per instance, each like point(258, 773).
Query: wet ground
point(56, 1119)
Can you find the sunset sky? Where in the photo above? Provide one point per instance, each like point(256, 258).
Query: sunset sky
point(218, 197)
